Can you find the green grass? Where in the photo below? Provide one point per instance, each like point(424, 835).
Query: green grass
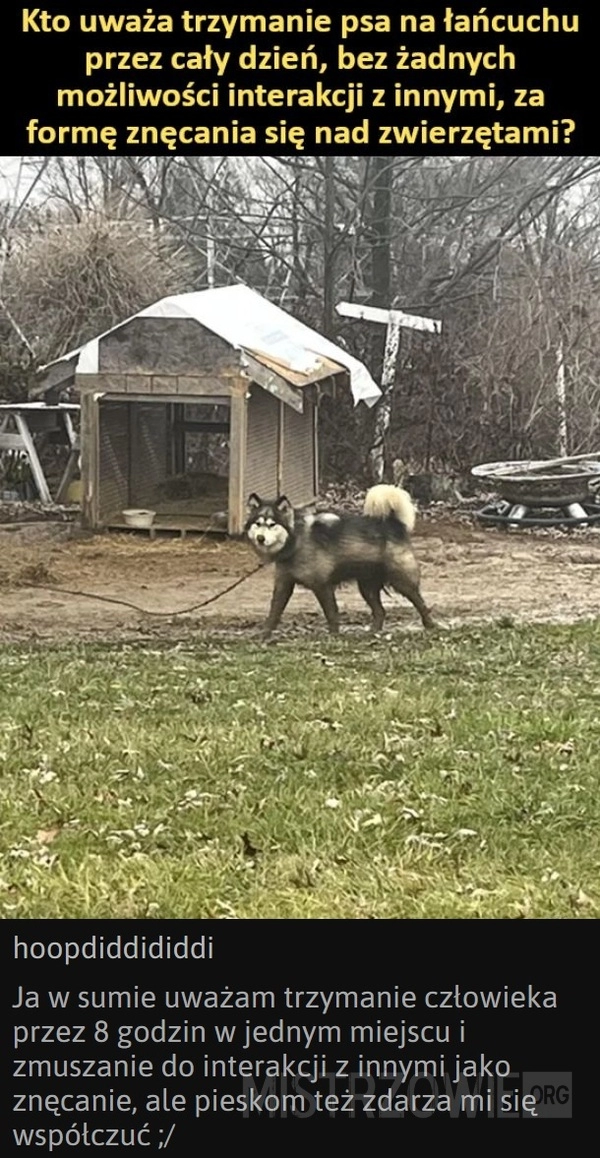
point(445, 775)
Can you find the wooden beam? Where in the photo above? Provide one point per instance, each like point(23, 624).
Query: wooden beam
point(207, 384)
point(202, 399)
point(150, 385)
point(36, 466)
point(375, 314)
point(90, 383)
point(90, 455)
point(70, 429)
point(237, 459)
point(272, 382)
point(316, 483)
point(280, 448)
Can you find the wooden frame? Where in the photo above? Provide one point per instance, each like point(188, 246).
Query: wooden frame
point(176, 390)
point(30, 419)
point(155, 386)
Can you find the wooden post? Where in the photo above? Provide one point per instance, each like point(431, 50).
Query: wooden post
point(316, 481)
point(383, 413)
point(394, 320)
point(90, 459)
point(280, 441)
point(34, 462)
point(237, 455)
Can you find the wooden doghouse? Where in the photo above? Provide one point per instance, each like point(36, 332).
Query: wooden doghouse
point(197, 401)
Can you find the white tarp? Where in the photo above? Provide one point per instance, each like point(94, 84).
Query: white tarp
point(246, 320)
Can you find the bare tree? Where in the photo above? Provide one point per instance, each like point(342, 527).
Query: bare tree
point(506, 250)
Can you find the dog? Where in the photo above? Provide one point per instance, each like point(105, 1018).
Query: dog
point(320, 551)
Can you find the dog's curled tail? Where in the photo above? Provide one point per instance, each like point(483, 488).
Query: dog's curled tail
point(383, 501)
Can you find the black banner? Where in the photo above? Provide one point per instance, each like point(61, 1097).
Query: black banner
point(306, 80)
point(147, 1033)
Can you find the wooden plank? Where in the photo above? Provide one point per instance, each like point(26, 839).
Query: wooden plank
point(129, 384)
point(237, 460)
point(204, 384)
point(36, 466)
point(38, 407)
point(272, 382)
point(207, 400)
point(187, 387)
point(90, 455)
point(316, 484)
point(55, 376)
point(90, 383)
point(148, 384)
point(70, 429)
point(202, 527)
point(280, 448)
point(162, 384)
point(374, 314)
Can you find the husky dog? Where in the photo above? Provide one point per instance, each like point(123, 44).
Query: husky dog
point(321, 551)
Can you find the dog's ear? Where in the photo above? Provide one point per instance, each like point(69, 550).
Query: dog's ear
point(253, 502)
point(284, 505)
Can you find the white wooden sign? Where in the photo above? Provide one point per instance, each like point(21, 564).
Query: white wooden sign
point(389, 317)
point(394, 321)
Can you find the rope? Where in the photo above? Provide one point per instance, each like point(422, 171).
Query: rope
point(143, 610)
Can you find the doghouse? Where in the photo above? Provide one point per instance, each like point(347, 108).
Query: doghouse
point(195, 402)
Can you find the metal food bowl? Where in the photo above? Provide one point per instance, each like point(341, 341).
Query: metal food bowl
point(138, 517)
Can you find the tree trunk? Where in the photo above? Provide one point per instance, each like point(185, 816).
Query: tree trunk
point(329, 250)
point(561, 396)
point(380, 250)
point(384, 348)
point(383, 413)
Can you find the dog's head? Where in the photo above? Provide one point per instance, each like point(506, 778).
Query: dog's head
point(269, 525)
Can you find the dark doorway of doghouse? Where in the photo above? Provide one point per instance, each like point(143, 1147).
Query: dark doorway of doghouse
point(198, 478)
point(176, 461)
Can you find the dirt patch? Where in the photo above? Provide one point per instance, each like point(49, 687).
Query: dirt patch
point(469, 574)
